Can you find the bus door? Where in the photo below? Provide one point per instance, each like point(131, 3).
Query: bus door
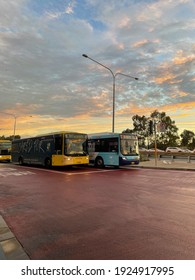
point(110, 149)
point(57, 156)
point(113, 152)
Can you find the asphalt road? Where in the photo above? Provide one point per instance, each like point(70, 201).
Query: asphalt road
point(88, 213)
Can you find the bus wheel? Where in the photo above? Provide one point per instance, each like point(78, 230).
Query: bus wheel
point(20, 160)
point(47, 162)
point(99, 162)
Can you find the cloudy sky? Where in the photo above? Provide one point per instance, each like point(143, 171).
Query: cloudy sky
point(48, 85)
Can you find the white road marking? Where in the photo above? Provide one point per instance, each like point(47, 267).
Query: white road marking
point(89, 172)
point(5, 172)
point(64, 172)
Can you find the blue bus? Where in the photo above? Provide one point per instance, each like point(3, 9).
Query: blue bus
point(52, 149)
point(113, 149)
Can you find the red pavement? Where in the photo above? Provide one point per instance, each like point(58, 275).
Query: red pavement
point(100, 214)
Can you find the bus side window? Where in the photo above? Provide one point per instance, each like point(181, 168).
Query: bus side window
point(105, 145)
point(58, 145)
point(113, 147)
point(90, 146)
point(97, 146)
point(48, 147)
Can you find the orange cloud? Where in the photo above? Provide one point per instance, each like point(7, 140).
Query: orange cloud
point(140, 43)
point(120, 46)
point(87, 124)
point(132, 109)
point(181, 58)
point(179, 93)
point(168, 77)
point(125, 21)
point(144, 42)
point(36, 125)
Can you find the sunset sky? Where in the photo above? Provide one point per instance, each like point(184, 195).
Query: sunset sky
point(47, 85)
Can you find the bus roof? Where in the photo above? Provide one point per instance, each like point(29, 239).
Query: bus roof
point(50, 133)
point(108, 135)
point(60, 132)
point(103, 135)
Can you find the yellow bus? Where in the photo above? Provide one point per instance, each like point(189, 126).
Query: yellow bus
point(5, 150)
point(52, 149)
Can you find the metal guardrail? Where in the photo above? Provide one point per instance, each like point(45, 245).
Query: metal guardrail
point(188, 157)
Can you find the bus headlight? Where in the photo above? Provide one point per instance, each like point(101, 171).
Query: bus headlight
point(124, 158)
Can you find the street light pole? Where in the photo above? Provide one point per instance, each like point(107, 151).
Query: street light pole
point(14, 127)
point(14, 122)
point(113, 86)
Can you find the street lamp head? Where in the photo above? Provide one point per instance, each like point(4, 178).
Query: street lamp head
point(85, 55)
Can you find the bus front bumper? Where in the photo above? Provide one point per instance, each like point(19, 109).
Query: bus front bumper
point(126, 160)
point(61, 160)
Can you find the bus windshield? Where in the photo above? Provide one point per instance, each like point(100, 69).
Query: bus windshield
point(5, 148)
point(75, 146)
point(129, 147)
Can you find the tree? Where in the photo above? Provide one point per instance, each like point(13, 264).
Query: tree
point(140, 124)
point(164, 139)
point(170, 137)
point(140, 128)
point(128, 131)
point(187, 138)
